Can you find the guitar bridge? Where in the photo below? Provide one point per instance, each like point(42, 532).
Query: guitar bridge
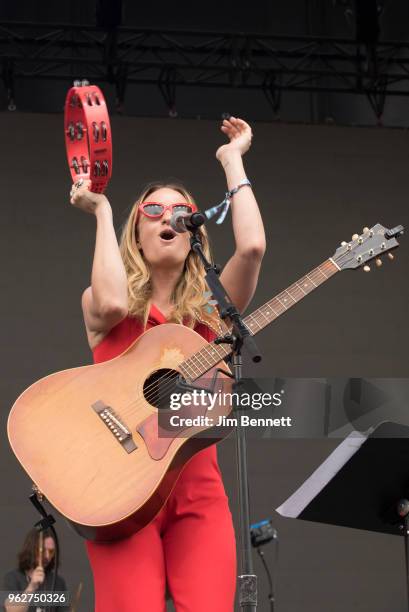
point(118, 429)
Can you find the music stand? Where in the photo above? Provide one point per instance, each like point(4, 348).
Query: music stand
point(363, 484)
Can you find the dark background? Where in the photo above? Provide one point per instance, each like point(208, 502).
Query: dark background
point(312, 18)
point(316, 185)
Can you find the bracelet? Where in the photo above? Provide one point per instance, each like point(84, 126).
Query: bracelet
point(223, 207)
point(242, 183)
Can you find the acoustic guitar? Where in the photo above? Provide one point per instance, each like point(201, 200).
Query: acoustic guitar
point(107, 465)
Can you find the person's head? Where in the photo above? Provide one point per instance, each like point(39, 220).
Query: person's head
point(29, 555)
point(148, 244)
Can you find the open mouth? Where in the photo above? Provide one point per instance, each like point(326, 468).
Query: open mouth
point(167, 234)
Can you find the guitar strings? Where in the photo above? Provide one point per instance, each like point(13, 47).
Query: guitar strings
point(171, 377)
point(166, 381)
point(162, 385)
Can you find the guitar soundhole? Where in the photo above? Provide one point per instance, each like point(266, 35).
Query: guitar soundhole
point(158, 388)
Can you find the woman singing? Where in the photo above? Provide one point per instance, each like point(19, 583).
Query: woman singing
point(153, 278)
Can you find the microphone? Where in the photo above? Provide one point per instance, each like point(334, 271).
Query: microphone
point(186, 222)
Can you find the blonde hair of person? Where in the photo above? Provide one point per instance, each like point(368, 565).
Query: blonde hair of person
point(190, 302)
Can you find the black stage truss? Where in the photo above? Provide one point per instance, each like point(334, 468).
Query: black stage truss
point(171, 59)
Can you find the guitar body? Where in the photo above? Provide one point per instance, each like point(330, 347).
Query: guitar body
point(89, 437)
point(108, 484)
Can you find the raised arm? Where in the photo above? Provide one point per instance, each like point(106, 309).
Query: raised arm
point(241, 272)
point(105, 302)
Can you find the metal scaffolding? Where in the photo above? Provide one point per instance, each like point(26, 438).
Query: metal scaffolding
point(172, 59)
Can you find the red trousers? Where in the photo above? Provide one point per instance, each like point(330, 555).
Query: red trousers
point(189, 547)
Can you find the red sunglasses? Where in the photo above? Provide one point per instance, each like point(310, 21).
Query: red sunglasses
point(155, 210)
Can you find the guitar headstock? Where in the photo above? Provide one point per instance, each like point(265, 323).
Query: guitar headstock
point(371, 244)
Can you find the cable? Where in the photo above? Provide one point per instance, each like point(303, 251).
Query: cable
point(262, 533)
point(270, 580)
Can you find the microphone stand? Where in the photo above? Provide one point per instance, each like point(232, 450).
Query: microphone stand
point(240, 340)
point(47, 522)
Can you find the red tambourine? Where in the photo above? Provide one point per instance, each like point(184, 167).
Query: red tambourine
point(88, 135)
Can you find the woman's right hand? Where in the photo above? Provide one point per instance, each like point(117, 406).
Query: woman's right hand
point(86, 200)
point(36, 578)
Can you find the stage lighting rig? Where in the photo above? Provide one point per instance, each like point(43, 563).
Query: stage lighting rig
point(8, 81)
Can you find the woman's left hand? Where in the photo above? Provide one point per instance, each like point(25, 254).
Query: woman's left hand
point(240, 135)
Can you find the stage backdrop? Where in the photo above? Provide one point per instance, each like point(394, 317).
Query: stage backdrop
point(316, 186)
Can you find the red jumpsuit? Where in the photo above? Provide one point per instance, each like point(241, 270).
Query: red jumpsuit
point(189, 547)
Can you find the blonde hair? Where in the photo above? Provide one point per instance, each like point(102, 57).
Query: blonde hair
point(188, 297)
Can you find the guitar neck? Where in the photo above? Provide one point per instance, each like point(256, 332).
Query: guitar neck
point(210, 355)
point(282, 302)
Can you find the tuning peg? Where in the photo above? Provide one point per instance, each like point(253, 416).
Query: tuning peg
point(355, 236)
point(365, 230)
point(378, 262)
point(391, 256)
point(367, 269)
point(343, 243)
